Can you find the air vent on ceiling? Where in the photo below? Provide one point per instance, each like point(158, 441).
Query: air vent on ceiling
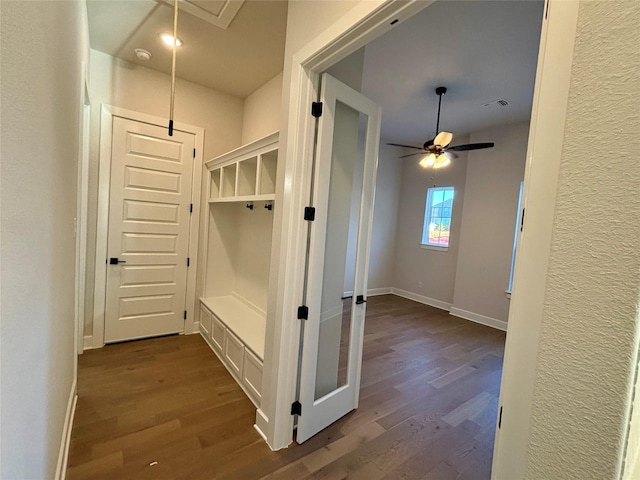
point(499, 103)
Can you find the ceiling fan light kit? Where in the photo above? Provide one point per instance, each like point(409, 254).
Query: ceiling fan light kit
point(438, 153)
point(435, 161)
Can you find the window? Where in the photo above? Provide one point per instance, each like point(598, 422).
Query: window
point(515, 240)
point(437, 217)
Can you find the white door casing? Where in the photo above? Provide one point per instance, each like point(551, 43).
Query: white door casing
point(149, 217)
point(345, 172)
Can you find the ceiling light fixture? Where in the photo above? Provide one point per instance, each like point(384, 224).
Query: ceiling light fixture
point(168, 39)
point(437, 153)
point(143, 54)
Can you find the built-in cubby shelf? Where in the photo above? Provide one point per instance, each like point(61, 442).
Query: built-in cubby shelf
point(240, 199)
point(245, 174)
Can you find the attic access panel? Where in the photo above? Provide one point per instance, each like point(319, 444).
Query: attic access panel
point(217, 12)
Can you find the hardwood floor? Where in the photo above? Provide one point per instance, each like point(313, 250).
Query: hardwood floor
point(167, 409)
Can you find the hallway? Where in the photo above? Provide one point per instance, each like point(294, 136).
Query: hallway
point(167, 408)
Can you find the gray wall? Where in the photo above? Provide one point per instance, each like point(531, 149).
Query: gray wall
point(426, 272)
point(472, 275)
point(488, 221)
point(383, 235)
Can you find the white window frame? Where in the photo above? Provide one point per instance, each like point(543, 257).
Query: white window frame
point(427, 220)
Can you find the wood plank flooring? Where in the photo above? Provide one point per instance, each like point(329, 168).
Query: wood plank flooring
point(167, 409)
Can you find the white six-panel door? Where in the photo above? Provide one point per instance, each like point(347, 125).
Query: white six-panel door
point(148, 239)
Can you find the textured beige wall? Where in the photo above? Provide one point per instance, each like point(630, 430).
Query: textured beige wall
point(435, 270)
point(588, 337)
point(122, 84)
point(42, 47)
point(488, 221)
point(262, 111)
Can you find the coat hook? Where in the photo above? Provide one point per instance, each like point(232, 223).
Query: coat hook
point(249, 206)
point(268, 206)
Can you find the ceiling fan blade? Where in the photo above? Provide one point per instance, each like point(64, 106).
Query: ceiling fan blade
point(405, 146)
point(450, 154)
point(470, 146)
point(412, 154)
point(443, 139)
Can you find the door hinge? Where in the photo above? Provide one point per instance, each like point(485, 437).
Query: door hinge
point(500, 418)
point(296, 408)
point(310, 214)
point(188, 261)
point(303, 312)
point(194, 153)
point(522, 220)
point(316, 109)
point(191, 208)
point(185, 314)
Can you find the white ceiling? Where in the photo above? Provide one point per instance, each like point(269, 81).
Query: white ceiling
point(480, 50)
point(236, 60)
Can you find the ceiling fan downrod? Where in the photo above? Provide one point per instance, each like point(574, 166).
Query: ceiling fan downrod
point(439, 91)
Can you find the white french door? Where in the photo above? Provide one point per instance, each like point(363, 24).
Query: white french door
point(148, 239)
point(343, 190)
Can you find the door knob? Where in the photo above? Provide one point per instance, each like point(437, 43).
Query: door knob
point(115, 261)
point(360, 299)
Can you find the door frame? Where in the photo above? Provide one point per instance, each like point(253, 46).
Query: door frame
point(82, 205)
point(104, 188)
point(360, 25)
point(353, 30)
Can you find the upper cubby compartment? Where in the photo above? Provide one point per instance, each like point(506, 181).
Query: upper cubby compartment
point(245, 174)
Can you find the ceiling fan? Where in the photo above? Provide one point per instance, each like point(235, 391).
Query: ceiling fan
point(436, 151)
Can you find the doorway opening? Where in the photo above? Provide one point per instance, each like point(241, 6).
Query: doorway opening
point(469, 276)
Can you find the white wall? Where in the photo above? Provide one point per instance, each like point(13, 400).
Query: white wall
point(488, 221)
point(43, 45)
point(305, 20)
point(123, 84)
point(435, 270)
point(588, 340)
point(262, 111)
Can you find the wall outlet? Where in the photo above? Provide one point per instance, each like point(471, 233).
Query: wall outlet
point(419, 284)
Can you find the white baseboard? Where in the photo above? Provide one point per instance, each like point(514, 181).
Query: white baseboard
point(87, 343)
point(65, 441)
point(476, 317)
point(262, 422)
point(372, 292)
point(196, 329)
point(421, 299)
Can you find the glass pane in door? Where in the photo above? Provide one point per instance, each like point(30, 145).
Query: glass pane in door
point(343, 221)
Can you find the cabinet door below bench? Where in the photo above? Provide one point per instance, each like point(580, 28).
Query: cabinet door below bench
point(252, 375)
point(205, 321)
point(217, 334)
point(234, 353)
